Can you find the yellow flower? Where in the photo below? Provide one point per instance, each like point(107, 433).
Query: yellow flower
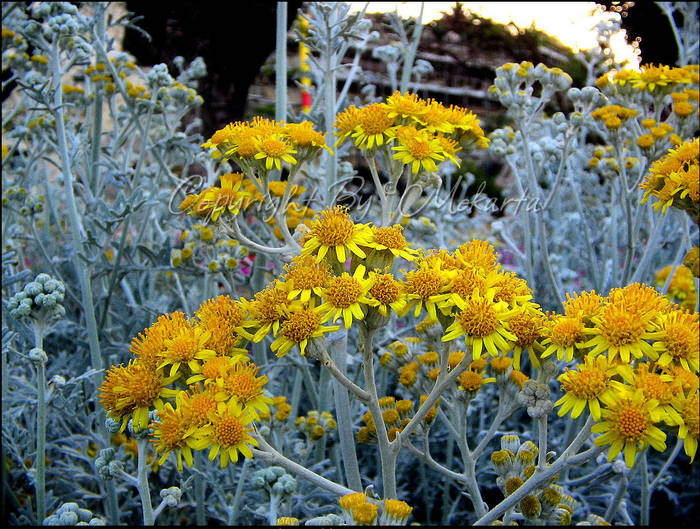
point(404, 106)
point(621, 331)
point(528, 326)
point(304, 277)
point(187, 347)
point(148, 346)
point(657, 386)
point(173, 432)
point(385, 293)
point(565, 334)
point(228, 434)
point(267, 311)
point(130, 392)
point(588, 385)
point(275, 149)
point(677, 341)
point(629, 425)
point(373, 126)
point(345, 295)
point(482, 323)
point(221, 316)
point(417, 149)
point(427, 285)
point(242, 384)
point(300, 327)
point(390, 239)
point(333, 228)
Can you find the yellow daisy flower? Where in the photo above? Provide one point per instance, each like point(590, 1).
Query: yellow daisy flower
point(345, 295)
point(418, 149)
point(173, 431)
point(482, 322)
point(300, 327)
point(333, 229)
point(390, 239)
point(565, 334)
point(242, 384)
point(227, 435)
point(689, 429)
point(628, 426)
point(304, 277)
point(588, 386)
point(186, 347)
point(385, 293)
point(273, 150)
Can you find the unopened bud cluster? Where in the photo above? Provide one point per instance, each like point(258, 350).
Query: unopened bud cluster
point(70, 513)
point(39, 300)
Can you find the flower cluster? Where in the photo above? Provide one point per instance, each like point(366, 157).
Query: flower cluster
point(261, 144)
point(639, 368)
point(358, 510)
point(419, 132)
point(674, 180)
point(205, 389)
point(650, 78)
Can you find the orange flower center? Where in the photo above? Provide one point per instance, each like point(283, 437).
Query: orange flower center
point(183, 347)
point(385, 289)
point(229, 432)
point(343, 291)
point(471, 380)
point(567, 332)
point(243, 384)
point(390, 236)
point(425, 282)
point(273, 148)
point(586, 384)
point(334, 228)
point(478, 318)
point(301, 325)
point(631, 422)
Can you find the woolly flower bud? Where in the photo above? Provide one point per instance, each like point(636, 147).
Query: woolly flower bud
point(38, 355)
point(513, 484)
point(530, 507)
point(171, 496)
point(68, 518)
point(159, 76)
point(510, 442)
point(502, 461)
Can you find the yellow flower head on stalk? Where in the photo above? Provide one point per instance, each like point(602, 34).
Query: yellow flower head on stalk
point(305, 139)
point(214, 368)
point(267, 311)
point(273, 150)
point(466, 128)
point(197, 403)
point(385, 293)
point(417, 148)
point(305, 277)
point(221, 316)
point(244, 386)
point(482, 322)
point(654, 385)
point(390, 239)
point(688, 407)
point(227, 434)
point(333, 229)
point(628, 425)
point(470, 381)
point(405, 107)
point(301, 326)
point(677, 340)
point(373, 126)
point(131, 391)
point(173, 431)
point(187, 347)
point(586, 304)
point(588, 386)
point(639, 299)
point(346, 122)
point(148, 346)
point(435, 118)
point(479, 255)
point(427, 285)
point(345, 295)
point(511, 289)
point(528, 326)
point(622, 332)
point(564, 335)
point(673, 180)
point(217, 200)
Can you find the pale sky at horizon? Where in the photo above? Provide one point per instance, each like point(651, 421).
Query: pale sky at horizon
point(570, 22)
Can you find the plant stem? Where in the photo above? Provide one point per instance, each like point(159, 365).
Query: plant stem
point(619, 494)
point(281, 63)
point(143, 488)
point(342, 410)
point(233, 516)
point(388, 462)
point(645, 496)
point(40, 484)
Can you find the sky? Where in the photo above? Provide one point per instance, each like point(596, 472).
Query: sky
point(570, 22)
